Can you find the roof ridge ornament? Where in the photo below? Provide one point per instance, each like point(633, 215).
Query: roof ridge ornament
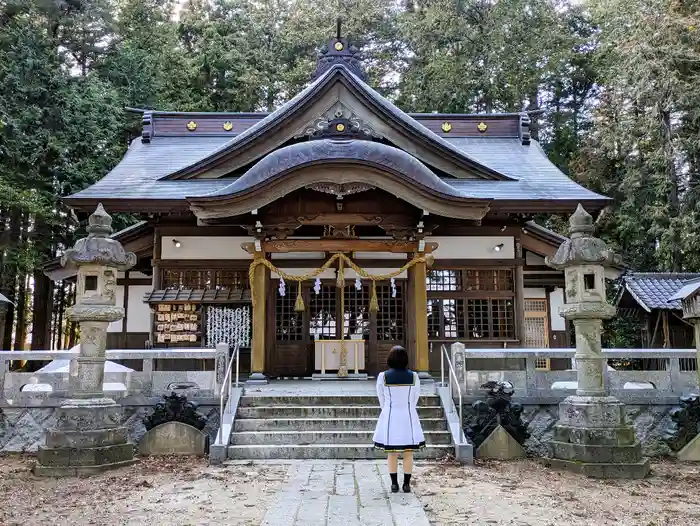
point(340, 51)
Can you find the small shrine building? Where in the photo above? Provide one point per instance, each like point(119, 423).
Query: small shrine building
point(337, 222)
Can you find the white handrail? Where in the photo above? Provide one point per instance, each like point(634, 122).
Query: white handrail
point(452, 375)
point(226, 388)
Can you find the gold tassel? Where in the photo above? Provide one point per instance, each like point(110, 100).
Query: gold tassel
point(373, 303)
point(299, 305)
point(340, 280)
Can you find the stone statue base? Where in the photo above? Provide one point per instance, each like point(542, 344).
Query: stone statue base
point(592, 437)
point(88, 439)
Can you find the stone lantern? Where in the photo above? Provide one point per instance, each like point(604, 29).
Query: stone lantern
point(592, 435)
point(88, 437)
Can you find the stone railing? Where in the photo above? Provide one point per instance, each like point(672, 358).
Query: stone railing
point(143, 378)
point(669, 373)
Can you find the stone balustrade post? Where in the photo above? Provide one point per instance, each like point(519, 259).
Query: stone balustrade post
point(4, 367)
point(221, 360)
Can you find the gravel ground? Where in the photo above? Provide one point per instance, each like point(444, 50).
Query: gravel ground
point(177, 491)
point(526, 493)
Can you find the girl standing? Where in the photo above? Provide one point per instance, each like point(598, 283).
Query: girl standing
point(398, 429)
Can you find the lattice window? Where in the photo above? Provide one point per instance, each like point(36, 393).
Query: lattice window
point(289, 325)
point(535, 332)
point(205, 279)
point(538, 305)
point(322, 323)
point(356, 316)
point(445, 318)
point(444, 280)
point(231, 279)
point(453, 318)
point(434, 319)
point(490, 280)
point(503, 319)
point(186, 279)
point(478, 319)
point(536, 328)
point(390, 316)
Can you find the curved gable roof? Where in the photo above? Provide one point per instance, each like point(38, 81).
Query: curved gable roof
point(328, 161)
point(298, 104)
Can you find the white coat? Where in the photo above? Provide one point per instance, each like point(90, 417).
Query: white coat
point(398, 428)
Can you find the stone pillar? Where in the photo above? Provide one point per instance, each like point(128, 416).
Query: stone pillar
point(88, 437)
point(592, 435)
point(259, 292)
point(419, 295)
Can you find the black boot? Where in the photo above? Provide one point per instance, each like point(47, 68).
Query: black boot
point(407, 483)
point(394, 482)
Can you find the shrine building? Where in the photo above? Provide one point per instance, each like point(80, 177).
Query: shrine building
point(426, 220)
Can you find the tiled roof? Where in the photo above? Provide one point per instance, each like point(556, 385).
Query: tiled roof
point(654, 290)
point(531, 176)
point(137, 175)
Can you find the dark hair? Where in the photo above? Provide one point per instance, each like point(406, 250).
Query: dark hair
point(398, 358)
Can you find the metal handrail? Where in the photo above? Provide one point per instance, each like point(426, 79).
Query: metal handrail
point(452, 376)
point(226, 388)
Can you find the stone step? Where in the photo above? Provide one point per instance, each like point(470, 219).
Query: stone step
point(282, 411)
point(324, 424)
point(325, 451)
point(261, 401)
point(265, 438)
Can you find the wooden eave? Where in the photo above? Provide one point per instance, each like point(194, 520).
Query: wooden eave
point(219, 206)
point(300, 108)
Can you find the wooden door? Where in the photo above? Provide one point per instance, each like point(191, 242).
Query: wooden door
point(291, 344)
point(388, 324)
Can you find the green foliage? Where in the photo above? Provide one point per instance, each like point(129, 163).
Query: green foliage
point(612, 86)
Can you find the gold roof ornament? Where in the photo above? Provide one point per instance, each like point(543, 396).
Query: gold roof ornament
point(446, 127)
point(482, 127)
point(340, 127)
point(338, 46)
point(228, 126)
point(192, 126)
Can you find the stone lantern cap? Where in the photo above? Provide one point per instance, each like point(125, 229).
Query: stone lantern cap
point(98, 248)
point(689, 296)
point(582, 248)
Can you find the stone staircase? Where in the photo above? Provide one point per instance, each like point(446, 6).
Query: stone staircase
point(323, 427)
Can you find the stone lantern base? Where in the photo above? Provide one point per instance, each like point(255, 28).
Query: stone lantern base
point(593, 437)
point(88, 439)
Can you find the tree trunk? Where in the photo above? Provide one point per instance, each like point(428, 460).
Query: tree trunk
point(21, 331)
point(8, 276)
point(42, 304)
point(676, 263)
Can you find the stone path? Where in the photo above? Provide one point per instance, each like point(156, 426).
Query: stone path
point(342, 493)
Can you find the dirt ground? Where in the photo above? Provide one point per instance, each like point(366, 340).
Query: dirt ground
point(525, 493)
point(165, 491)
point(175, 491)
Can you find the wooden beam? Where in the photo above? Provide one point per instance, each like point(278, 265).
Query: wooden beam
point(339, 245)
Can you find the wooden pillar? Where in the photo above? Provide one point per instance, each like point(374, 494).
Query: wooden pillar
point(259, 292)
point(125, 305)
point(519, 294)
point(419, 293)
